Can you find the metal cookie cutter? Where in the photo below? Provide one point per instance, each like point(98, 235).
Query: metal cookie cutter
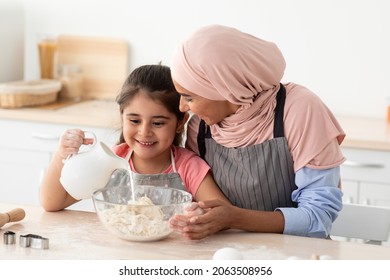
point(9, 237)
point(34, 241)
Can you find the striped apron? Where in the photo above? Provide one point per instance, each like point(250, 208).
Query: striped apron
point(258, 177)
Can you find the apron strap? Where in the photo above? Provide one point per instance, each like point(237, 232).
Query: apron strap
point(173, 162)
point(204, 132)
point(279, 112)
point(128, 156)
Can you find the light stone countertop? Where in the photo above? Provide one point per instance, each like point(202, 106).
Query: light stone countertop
point(365, 133)
point(78, 235)
point(98, 113)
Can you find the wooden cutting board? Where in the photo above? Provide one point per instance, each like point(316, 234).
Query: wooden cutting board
point(103, 61)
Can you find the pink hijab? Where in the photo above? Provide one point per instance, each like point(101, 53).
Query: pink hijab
point(223, 63)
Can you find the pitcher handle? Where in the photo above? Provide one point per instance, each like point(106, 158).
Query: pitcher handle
point(90, 146)
point(93, 136)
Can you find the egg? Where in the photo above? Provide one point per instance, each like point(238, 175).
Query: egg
point(294, 258)
point(326, 257)
point(228, 253)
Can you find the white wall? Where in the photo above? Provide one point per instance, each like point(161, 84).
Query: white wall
point(11, 40)
point(338, 48)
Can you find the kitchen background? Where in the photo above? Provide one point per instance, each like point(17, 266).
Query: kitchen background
point(339, 49)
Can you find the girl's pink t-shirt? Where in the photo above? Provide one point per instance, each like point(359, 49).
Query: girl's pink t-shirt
point(191, 168)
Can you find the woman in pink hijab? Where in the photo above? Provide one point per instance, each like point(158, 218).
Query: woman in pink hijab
point(273, 148)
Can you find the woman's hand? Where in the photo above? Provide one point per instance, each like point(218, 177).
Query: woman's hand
point(216, 216)
point(71, 141)
point(179, 221)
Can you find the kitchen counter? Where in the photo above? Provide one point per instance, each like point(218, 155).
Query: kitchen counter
point(366, 133)
point(98, 113)
point(362, 133)
point(79, 235)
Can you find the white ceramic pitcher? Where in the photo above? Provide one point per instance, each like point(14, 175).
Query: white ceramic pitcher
point(88, 171)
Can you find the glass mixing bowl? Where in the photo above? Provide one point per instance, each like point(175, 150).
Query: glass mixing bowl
point(142, 215)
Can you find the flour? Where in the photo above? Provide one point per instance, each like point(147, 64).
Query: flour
point(138, 221)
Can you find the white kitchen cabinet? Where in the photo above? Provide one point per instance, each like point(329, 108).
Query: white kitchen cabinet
point(350, 191)
point(366, 176)
point(374, 194)
point(20, 173)
point(365, 179)
point(26, 149)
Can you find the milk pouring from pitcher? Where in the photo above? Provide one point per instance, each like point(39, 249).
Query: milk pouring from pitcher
point(88, 171)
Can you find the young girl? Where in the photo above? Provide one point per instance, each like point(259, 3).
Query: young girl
point(152, 129)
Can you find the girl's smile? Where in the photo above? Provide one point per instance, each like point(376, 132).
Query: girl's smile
point(146, 143)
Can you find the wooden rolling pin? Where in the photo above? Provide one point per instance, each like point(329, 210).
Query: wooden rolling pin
point(14, 215)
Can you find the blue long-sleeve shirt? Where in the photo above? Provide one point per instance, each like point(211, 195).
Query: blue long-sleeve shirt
point(319, 200)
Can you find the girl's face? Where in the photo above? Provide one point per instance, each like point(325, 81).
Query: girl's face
point(211, 111)
point(149, 128)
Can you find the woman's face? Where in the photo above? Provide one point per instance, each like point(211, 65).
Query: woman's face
point(148, 127)
point(211, 111)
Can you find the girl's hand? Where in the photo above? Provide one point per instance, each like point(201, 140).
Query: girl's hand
point(71, 141)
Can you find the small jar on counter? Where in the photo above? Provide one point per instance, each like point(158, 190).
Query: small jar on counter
point(72, 82)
